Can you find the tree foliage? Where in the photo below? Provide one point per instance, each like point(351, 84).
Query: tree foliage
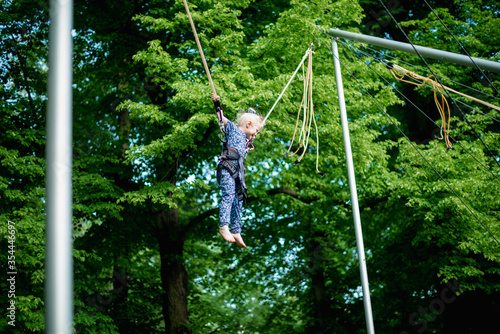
point(147, 255)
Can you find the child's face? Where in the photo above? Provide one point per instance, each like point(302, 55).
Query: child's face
point(250, 129)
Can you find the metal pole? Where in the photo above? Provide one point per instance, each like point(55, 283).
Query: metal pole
point(58, 234)
point(486, 65)
point(354, 195)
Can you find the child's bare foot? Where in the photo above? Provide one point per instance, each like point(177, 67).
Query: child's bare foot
point(224, 231)
point(239, 240)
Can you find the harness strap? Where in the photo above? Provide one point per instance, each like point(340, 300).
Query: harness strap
point(229, 166)
point(228, 154)
point(234, 163)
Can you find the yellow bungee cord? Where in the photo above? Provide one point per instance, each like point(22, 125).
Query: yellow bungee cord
point(307, 119)
point(442, 104)
point(399, 73)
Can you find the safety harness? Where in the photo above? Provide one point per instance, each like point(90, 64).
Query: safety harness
point(230, 159)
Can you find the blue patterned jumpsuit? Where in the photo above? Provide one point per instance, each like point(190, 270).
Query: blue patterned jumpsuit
point(230, 207)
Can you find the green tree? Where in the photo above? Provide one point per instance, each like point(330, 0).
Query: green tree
point(100, 174)
point(23, 82)
point(147, 255)
point(440, 237)
point(253, 73)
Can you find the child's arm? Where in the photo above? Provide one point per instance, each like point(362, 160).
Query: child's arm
point(218, 108)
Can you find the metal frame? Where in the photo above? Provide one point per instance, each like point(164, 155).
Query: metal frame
point(354, 195)
point(59, 154)
point(405, 47)
point(485, 65)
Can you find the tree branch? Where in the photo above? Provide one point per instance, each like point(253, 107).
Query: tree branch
point(286, 191)
point(198, 219)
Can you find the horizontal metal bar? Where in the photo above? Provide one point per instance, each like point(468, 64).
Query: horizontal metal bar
point(485, 65)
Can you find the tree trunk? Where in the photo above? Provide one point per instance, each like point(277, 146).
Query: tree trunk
point(320, 300)
point(321, 303)
point(173, 273)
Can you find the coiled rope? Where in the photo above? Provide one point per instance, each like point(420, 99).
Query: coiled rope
point(308, 116)
point(444, 109)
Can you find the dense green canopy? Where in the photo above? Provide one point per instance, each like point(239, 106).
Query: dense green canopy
point(147, 255)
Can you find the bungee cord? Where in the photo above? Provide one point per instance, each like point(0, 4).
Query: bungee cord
point(306, 55)
point(307, 119)
point(474, 90)
point(399, 73)
point(397, 68)
point(207, 71)
point(308, 114)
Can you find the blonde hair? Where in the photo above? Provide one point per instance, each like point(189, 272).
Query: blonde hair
point(251, 115)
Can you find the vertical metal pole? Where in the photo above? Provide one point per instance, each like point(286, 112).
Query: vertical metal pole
point(354, 195)
point(58, 233)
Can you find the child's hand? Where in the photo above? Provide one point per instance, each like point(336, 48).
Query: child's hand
point(215, 97)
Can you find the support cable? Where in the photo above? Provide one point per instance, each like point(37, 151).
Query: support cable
point(426, 64)
point(423, 113)
point(463, 48)
point(355, 51)
point(479, 111)
point(421, 155)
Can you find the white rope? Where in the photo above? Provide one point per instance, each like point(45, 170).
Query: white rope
point(309, 50)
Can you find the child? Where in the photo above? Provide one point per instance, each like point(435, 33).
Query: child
point(231, 170)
